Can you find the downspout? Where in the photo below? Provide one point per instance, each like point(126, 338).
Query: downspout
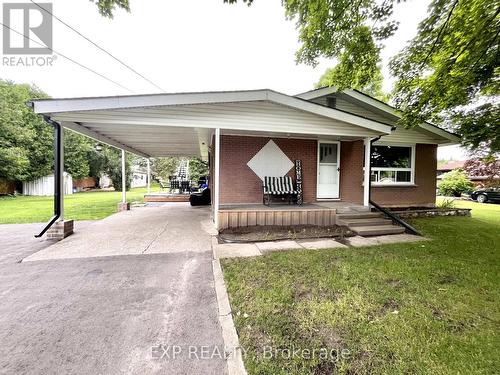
point(58, 170)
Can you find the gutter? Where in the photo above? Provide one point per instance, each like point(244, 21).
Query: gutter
point(58, 170)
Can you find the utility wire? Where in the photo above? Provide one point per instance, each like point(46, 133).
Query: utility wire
point(99, 47)
point(68, 58)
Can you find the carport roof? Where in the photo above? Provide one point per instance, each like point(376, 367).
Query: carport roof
point(182, 123)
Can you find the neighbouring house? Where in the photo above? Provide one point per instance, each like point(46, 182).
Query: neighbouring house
point(247, 135)
point(83, 184)
point(449, 166)
point(477, 180)
point(45, 185)
point(139, 176)
point(7, 187)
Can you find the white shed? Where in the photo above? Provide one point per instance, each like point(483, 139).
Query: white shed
point(45, 185)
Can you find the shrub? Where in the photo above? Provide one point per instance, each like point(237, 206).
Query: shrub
point(454, 183)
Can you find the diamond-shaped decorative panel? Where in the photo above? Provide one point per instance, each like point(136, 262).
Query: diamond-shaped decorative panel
point(270, 161)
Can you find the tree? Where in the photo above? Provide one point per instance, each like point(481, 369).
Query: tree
point(25, 139)
point(162, 168)
point(76, 150)
point(113, 167)
point(107, 7)
point(486, 167)
point(339, 76)
point(454, 183)
point(449, 71)
point(197, 169)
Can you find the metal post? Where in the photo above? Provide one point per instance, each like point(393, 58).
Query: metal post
point(216, 179)
point(149, 175)
point(58, 175)
point(366, 180)
point(124, 177)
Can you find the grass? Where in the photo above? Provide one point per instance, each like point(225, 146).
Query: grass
point(423, 308)
point(92, 205)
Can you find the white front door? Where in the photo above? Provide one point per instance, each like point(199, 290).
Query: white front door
point(328, 169)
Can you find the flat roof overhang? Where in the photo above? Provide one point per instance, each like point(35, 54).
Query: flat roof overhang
point(183, 124)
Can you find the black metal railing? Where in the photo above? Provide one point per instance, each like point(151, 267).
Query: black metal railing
point(395, 219)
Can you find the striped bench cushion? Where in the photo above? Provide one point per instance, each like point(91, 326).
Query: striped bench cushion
point(278, 185)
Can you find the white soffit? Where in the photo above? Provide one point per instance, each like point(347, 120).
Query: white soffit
point(270, 161)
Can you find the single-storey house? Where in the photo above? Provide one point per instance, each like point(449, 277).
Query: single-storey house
point(248, 135)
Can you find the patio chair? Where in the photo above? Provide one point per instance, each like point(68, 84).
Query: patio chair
point(174, 185)
point(278, 186)
point(185, 186)
point(163, 185)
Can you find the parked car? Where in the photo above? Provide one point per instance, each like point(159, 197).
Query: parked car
point(486, 195)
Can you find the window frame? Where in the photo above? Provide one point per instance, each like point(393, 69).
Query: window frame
point(412, 147)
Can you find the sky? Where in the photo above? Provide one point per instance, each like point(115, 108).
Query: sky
point(188, 45)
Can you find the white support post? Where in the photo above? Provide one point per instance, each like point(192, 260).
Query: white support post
point(366, 180)
point(61, 177)
point(216, 178)
point(124, 179)
point(149, 175)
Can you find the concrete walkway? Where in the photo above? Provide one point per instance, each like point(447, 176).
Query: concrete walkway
point(112, 298)
point(237, 250)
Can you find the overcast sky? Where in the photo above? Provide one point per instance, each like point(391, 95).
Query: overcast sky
point(188, 45)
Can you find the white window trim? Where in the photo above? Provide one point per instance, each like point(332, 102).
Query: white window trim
point(411, 169)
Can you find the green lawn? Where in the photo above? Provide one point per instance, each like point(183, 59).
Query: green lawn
point(424, 308)
point(79, 206)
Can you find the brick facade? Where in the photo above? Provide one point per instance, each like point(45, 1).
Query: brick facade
point(424, 191)
point(422, 194)
point(239, 184)
point(351, 171)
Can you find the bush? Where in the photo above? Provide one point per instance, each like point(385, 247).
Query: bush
point(454, 183)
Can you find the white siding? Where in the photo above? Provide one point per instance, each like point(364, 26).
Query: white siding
point(182, 129)
point(400, 135)
point(45, 185)
point(262, 116)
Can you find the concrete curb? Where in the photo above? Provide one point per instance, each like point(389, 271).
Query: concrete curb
point(232, 346)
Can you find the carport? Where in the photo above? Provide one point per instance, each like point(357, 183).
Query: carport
point(191, 124)
point(144, 125)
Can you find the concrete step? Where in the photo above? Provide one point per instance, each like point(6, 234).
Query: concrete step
point(377, 230)
point(359, 215)
point(364, 222)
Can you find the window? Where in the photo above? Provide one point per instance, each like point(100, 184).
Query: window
point(392, 164)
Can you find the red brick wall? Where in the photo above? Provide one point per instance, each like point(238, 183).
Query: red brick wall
point(351, 171)
point(239, 184)
point(351, 178)
point(424, 193)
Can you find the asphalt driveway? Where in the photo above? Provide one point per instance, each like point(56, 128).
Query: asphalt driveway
point(107, 313)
